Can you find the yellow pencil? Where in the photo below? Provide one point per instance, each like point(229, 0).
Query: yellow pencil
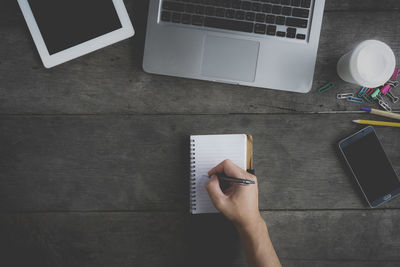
point(379, 123)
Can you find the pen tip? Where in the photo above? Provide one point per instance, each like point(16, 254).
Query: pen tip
point(356, 121)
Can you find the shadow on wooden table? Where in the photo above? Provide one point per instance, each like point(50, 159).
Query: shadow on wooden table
point(213, 241)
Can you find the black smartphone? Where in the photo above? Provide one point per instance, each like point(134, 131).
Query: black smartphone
point(370, 166)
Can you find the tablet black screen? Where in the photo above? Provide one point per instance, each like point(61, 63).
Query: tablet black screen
point(66, 23)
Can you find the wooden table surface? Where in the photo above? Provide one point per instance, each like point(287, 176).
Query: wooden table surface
point(94, 156)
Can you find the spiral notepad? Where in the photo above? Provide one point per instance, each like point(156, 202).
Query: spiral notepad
point(207, 151)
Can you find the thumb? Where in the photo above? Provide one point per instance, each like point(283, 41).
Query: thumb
point(215, 192)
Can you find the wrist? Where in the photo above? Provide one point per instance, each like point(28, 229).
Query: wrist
point(250, 225)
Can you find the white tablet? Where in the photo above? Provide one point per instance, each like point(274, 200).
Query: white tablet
point(66, 29)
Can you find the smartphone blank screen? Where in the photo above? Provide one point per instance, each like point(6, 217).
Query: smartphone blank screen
point(67, 23)
point(371, 167)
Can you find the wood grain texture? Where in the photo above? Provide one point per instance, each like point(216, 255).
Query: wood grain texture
point(313, 238)
point(112, 81)
point(361, 5)
point(94, 156)
point(141, 162)
point(336, 263)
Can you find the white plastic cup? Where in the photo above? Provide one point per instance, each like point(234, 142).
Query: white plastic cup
point(370, 64)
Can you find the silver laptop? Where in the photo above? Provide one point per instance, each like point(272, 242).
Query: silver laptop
point(262, 43)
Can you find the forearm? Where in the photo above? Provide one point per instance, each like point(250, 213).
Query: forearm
point(257, 244)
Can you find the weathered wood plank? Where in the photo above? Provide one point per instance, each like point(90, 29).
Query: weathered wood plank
point(336, 263)
point(313, 238)
point(361, 5)
point(112, 80)
point(141, 162)
point(335, 235)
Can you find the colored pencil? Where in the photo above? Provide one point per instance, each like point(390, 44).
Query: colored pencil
point(379, 123)
point(382, 113)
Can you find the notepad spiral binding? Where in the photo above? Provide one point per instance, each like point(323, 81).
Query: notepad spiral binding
point(192, 175)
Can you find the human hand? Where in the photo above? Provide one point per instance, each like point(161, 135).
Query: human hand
point(239, 203)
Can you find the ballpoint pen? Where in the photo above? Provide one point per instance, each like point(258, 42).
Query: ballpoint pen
point(235, 180)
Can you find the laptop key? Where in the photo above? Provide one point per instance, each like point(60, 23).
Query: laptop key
point(215, 3)
point(267, 8)
point(287, 11)
point(230, 13)
point(277, 10)
point(286, 2)
point(165, 16)
point(176, 17)
point(260, 17)
point(236, 4)
point(306, 3)
point(189, 8)
point(199, 10)
point(291, 32)
point(246, 5)
point(280, 20)
point(197, 20)
point(270, 19)
point(260, 28)
point(301, 36)
point(250, 16)
point(173, 6)
point(226, 24)
point(300, 12)
point(226, 3)
point(271, 29)
point(239, 15)
point(281, 34)
point(220, 12)
point(186, 19)
point(256, 6)
point(298, 23)
point(295, 2)
point(210, 11)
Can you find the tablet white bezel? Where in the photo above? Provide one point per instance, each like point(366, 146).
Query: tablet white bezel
point(84, 48)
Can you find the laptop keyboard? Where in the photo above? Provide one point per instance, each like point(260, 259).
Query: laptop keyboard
point(281, 18)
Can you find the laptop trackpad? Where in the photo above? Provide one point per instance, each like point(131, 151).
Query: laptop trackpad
point(230, 58)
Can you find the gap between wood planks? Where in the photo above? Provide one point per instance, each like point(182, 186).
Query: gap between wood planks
point(185, 212)
point(183, 114)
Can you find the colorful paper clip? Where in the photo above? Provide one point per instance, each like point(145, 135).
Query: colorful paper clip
point(362, 91)
point(396, 73)
point(369, 92)
point(325, 88)
point(376, 93)
point(344, 96)
point(366, 98)
point(355, 99)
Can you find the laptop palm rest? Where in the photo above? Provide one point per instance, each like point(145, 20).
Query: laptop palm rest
point(229, 58)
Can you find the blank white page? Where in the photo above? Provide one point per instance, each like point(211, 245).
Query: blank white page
point(208, 151)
